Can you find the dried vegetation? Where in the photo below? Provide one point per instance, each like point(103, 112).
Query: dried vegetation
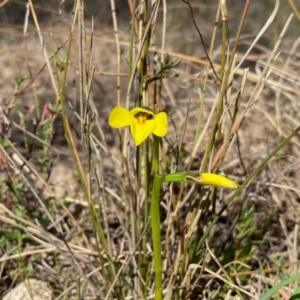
point(51, 236)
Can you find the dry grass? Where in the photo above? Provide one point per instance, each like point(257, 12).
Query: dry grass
point(51, 235)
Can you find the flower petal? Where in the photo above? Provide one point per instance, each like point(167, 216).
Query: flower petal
point(161, 124)
point(213, 180)
point(137, 110)
point(141, 131)
point(119, 117)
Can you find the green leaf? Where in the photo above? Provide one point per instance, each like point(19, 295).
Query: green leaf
point(296, 294)
point(279, 286)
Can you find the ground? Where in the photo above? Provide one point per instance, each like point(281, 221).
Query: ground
point(47, 228)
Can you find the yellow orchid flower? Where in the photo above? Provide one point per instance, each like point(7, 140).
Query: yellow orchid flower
point(212, 180)
point(142, 122)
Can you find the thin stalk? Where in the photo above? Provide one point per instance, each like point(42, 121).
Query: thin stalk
point(203, 93)
point(155, 155)
point(155, 218)
point(224, 37)
point(143, 153)
point(118, 49)
point(4, 3)
point(156, 235)
point(295, 10)
point(212, 136)
point(142, 218)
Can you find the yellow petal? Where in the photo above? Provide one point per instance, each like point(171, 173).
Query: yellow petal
point(214, 180)
point(140, 131)
point(137, 110)
point(161, 124)
point(119, 117)
point(142, 124)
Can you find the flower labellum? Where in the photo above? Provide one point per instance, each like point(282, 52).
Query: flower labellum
point(142, 122)
point(212, 180)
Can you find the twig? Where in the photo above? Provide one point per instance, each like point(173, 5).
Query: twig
point(4, 3)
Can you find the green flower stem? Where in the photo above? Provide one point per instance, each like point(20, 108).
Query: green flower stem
point(155, 219)
point(182, 177)
point(176, 177)
point(155, 155)
point(156, 237)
